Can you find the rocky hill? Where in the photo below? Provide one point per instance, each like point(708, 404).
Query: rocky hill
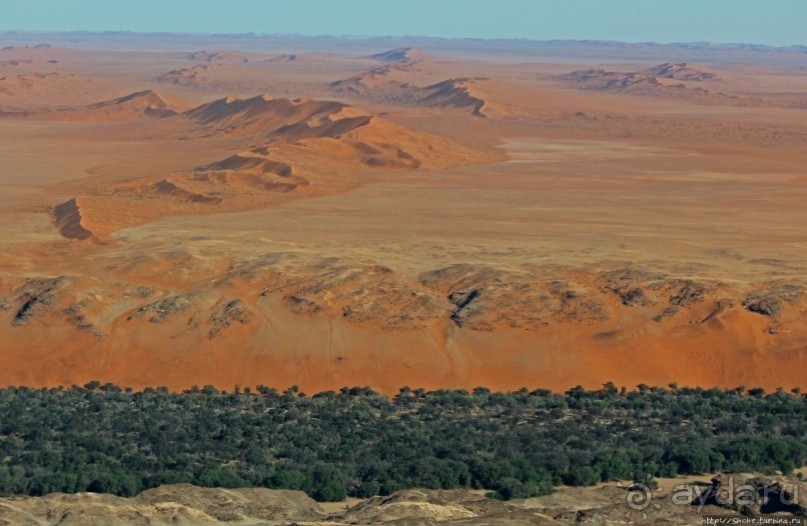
point(680, 502)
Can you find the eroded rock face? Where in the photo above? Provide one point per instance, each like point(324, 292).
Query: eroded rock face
point(353, 312)
point(756, 495)
point(37, 296)
point(432, 507)
point(470, 296)
point(227, 313)
point(485, 298)
point(184, 504)
point(162, 310)
point(676, 501)
point(770, 301)
point(180, 504)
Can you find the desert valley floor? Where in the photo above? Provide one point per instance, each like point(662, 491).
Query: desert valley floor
point(363, 213)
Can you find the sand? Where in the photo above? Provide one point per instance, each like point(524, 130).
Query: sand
point(402, 217)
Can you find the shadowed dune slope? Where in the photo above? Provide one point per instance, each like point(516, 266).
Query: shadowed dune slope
point(283, 148)
point(146, 103)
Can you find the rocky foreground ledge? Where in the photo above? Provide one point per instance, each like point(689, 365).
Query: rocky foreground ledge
point(681, 501)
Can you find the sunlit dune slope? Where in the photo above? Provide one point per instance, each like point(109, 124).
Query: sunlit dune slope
point(290, 147)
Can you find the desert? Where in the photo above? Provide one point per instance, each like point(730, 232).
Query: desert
point(403, 263)
point(430, 215)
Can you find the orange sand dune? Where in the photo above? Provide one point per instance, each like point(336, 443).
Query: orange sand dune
point(637, 223)
point(146, 103)
point(258, 113)
point(239, 162)
point(413, 84)
point(460, 93)
point(333, 323)
point(214, 79)
point(404, 54)
point(165, 187)
point(375, 81)
point(69, 220)
point(328, 127)
point(299, 144)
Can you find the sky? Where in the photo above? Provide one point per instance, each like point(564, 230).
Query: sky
point(772, 22)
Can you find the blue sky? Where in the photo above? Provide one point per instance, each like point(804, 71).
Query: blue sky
point(774, 22)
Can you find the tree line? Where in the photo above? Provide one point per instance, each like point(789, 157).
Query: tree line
point(356, 442)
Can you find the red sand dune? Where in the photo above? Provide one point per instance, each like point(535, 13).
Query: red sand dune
point(594, 226)
point(284, 137)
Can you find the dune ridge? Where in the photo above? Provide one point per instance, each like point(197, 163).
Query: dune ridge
point(340, 227)
point(217, 56)
point(145, 103)
point(192, 76)
point(284, 148)
point(402, 54)
point(149, 102)
point(327, 128)
point(457, 93)
point(233, 114)
point(169, 188)
point(241, 162)
point(668, 79)
point(381, 79)
point(410, 83)
point(679, 71)
point(70, 222)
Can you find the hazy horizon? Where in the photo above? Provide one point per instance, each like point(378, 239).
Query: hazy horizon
point(776, 23)
point(385, 36)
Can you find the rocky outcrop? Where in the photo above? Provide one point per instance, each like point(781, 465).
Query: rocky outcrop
point(739, 495)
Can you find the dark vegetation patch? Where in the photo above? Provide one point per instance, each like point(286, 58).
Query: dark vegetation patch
point(356, 442)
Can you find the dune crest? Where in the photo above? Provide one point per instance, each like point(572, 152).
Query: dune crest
point(259, 113)
point(679, 71)
point(284, 148)
point(147, 102)
point(402, 54)
point(217, 56)
point(379, 80)
point(165, 187)
point(457, 93)
point(411, 83)
point(343, 133)
point(69, 221)
point(325, 215)
point(192, 76)
point(667, 79)
point(603, 80)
